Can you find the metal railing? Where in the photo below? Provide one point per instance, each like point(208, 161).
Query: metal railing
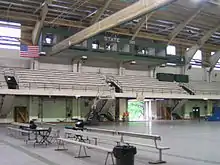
point(154, 90)
point(57, 86)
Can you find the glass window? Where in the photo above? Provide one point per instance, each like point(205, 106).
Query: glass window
point(217, 65)
point(196, 61)
point(95, 46)
point(10, 34)
point(212, 53)
point(171, 50)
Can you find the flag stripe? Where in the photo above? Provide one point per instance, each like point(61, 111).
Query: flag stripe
point(29, 51)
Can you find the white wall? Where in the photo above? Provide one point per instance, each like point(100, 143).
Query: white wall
point(89, 69)
point(215, 75)
point(195, 103)
point(11, 58)
point(197, 74)
point(55, 63)
point(137, 72)
point(54, 108)
point(168, 69)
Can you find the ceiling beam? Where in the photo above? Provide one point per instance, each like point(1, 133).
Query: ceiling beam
point(181, 26)
point(39, 24)
point(15, 16)
point(100, 12)
point(140, 24)
point(213, 60)
point(190, 53)
point(129, 13)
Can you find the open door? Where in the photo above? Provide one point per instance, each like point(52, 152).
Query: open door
point(21, 114)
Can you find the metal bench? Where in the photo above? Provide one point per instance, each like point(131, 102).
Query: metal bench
point(16, 132)
point(61, 141)
point(155, 139)
point(87, 136)
point(100, 130)
point(122, 134)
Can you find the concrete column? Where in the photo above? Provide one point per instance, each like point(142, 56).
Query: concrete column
point(152, 73)
point(74, 108)
point(154, 108)
point(71, 65)
point(209, 107)
point(30, 108)
point(122, 107)
point(206, 75)
point(74, 67)
point(79, 67)
point(78, 100)
point(121, 69)
point(209, 76)
point(40, 109)
point(35, 64)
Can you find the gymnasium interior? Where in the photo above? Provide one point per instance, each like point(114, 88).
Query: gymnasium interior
point(109, 82)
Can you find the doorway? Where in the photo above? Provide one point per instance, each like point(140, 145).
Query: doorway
point(21, 114)
point(196, 113)
point(139, 110)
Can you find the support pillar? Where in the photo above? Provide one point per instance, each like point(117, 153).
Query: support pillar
point(40, 109)
point(34, 64)
point(209, 107)
point(74, 108)
point(152, 73)
point(30, 108)
point(79, 67)
point(78, 101)
point(121, 69)
point(122, 107)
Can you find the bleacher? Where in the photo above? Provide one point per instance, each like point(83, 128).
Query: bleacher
point(60, 80)
point(147, 84)
point(202, 87)
point(2, 79)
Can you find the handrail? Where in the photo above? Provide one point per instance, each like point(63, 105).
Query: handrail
point(112, 78)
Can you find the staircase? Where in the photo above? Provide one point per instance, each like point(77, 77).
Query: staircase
point(6, 105)
point(109, 103)
point(99, 108)
point(177, 107)
point(113, 82)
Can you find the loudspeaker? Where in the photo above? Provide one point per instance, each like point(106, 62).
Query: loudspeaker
point(11, 82)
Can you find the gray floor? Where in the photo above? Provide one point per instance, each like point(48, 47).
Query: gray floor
point(191, 143)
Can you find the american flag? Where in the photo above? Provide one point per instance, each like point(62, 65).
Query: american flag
point(29, 51)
